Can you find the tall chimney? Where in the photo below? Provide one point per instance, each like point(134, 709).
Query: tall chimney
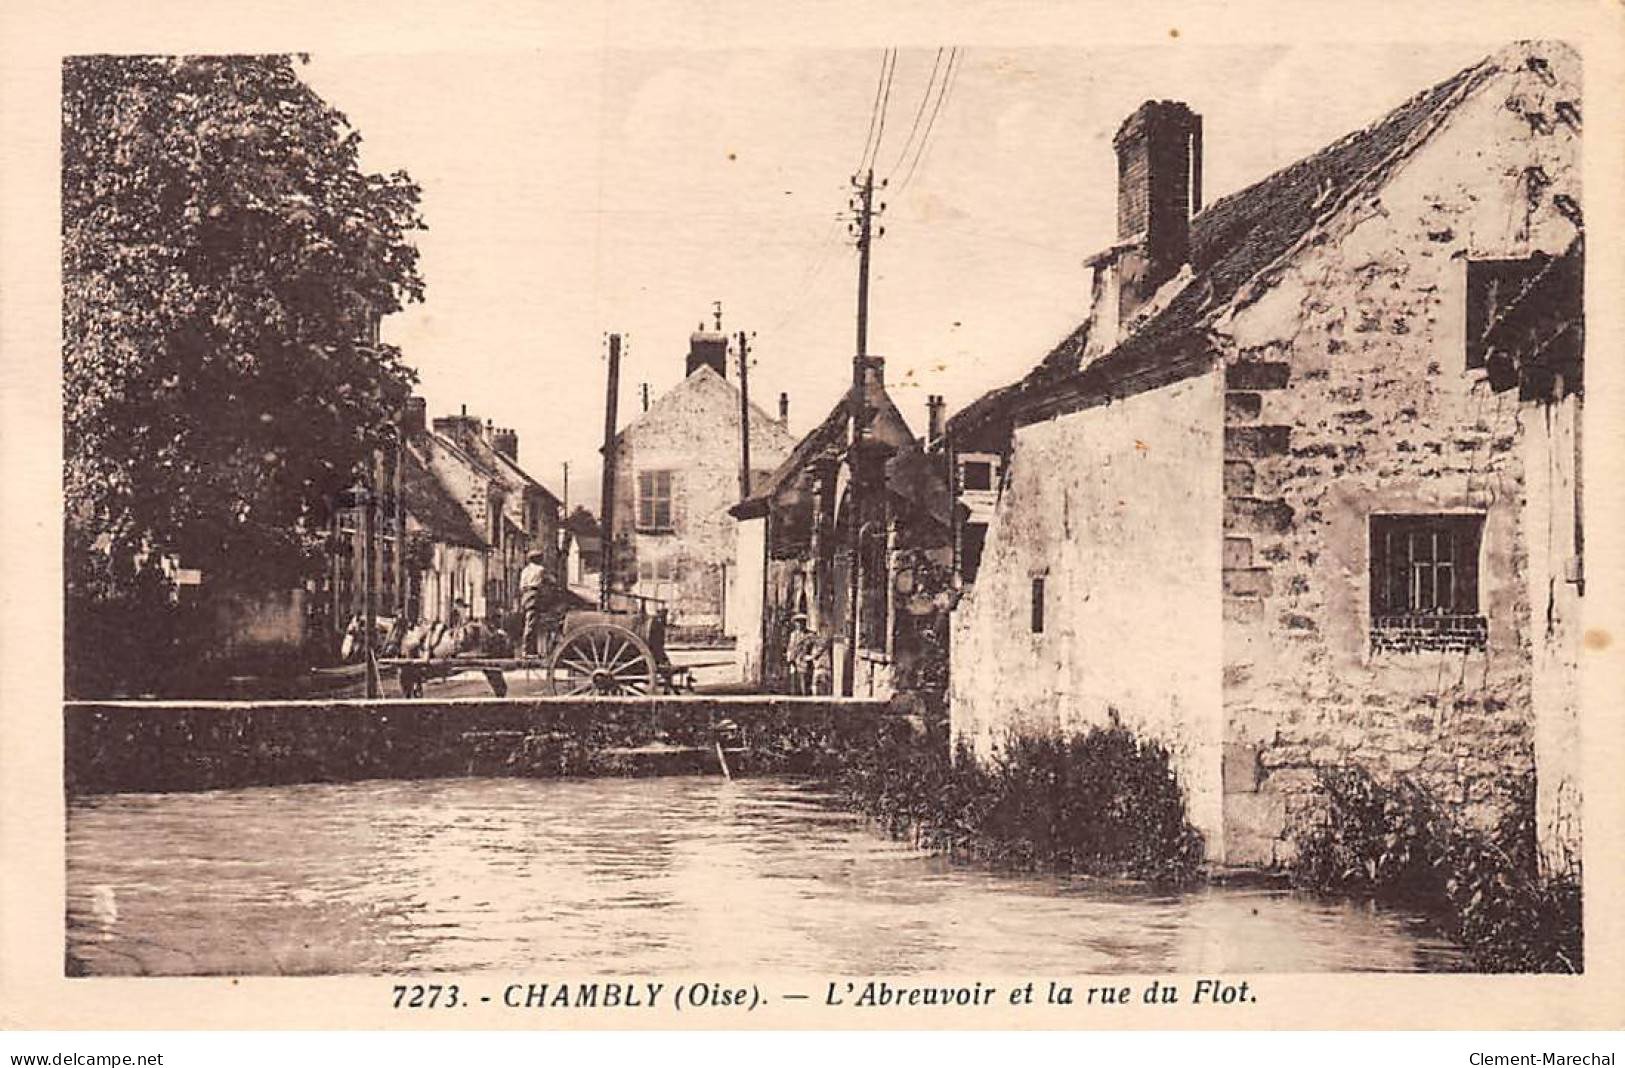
point(707, 348)
point(1159, 188)
point(934, 406)
point(784, 410)
point(415, 418)
point(506, 441)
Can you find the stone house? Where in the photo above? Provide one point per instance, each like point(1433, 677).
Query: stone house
point(455, 518)
point(516, 513)
point(1304, 488)
point(794, 547)
point(676, 475)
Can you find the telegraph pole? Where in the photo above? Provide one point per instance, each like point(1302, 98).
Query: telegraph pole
point(744, 415)
point(606, 504)
point(863, 228)
point(369, 578)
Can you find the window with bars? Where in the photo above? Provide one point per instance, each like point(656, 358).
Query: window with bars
point(1424, 582)
point(654, 501)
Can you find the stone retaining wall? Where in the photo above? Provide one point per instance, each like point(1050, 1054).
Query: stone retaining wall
point(118, 746)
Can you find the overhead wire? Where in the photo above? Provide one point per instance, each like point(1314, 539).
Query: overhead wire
point(919, 113)
point(930, 124)
point(871, 149)
point(887, 58)
point(885, 106)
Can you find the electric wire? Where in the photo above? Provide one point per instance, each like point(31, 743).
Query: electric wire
point(930, 124)
point(919, 113)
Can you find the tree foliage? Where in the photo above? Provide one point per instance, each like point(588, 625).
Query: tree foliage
point(224, 263)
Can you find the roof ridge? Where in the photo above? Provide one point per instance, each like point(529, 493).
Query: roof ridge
point(1472, 78)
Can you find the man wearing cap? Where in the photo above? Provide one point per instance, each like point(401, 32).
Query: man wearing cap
point(539, 600)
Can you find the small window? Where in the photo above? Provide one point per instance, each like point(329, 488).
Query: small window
point(654, 501)
point(972, 537)
point(1038, 604)
point(976, 475)
point(1424, 582)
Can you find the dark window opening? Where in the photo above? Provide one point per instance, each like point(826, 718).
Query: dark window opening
point(873, 611)
point(971, 540)
point(1038, 604)
point(976, 475)
point(1424, 582)
point(1526, 323)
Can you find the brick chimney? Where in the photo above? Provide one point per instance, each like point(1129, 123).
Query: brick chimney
point(506, 441)
point(934, 406)
point(463, 429)
point(707, 348)
point(1159, 188)
point(784, 410)
point(415, 418)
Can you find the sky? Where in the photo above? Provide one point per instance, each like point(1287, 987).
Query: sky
point(571, 194)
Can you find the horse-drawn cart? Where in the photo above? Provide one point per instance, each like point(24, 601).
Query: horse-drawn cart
point(596, 652)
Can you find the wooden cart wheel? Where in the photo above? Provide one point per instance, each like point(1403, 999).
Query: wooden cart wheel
point(601, 659)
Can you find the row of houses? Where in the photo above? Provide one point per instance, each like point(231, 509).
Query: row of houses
point(455, 519)
point(1302, 489)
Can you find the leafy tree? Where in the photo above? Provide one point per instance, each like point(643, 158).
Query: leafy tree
point(582, 523)
point(225, 261)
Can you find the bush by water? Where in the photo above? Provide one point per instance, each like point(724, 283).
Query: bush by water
point(1394, 841)
point(1102, 802)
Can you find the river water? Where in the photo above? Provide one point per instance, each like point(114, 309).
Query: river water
point(650, 876)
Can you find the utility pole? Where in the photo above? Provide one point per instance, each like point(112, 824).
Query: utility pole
point(863, 229)
point(564, 505)
point(606, 504)
point(398, 500)
point(369, 579)
point(744, 415)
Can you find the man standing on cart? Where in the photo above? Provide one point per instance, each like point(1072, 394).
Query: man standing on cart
point(542, 601)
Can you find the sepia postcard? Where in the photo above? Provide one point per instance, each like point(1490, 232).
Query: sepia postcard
point(699, 516)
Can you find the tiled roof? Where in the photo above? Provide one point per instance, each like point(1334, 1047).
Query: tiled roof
point(431, 504)
point(1233, 241)
point(829, 436)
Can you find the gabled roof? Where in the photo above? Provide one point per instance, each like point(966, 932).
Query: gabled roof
point(496, 464)
point(432, 505)
point(706, 377)
point(828, 438)
point(1234, 242)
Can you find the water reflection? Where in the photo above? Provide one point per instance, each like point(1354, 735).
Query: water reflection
point(642, 876)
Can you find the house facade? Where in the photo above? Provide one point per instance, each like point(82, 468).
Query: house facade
point(795, 555)
point(676, 475)
point(1304, 489)
point(515, 513)
point(454, 517)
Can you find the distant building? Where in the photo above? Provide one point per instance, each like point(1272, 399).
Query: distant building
point(676, 476)
point(794, 549)
point(1303, 491)
point(455, 517)
point(517, 514)
point(583, 554)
